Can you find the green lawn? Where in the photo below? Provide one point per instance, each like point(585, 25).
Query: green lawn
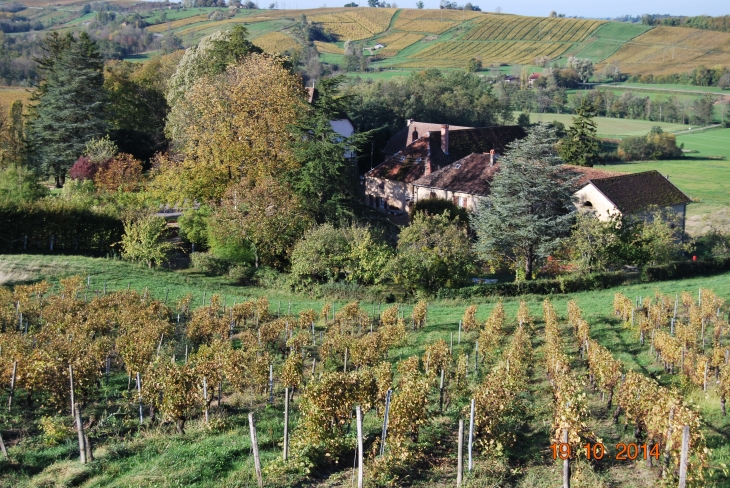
point(221, 457)
point(610, 127)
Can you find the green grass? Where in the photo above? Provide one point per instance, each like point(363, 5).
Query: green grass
point(606, 40)
point(156, 457)
point(611, 127)
point(672, 88)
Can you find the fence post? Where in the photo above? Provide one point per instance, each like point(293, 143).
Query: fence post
point(460, 454)
point(358, 412)
point(684, 458)
point(459, 339)
point(255, 447)
point(345, 370)
point(82, 438)
point(271, 384)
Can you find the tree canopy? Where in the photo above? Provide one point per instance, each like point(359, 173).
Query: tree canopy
point(530, 208)
point(68, 105)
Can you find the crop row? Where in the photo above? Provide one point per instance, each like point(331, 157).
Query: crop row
point(430, 26)
point(276, 42)
point(177, 23)
point(448, 15)
point(502, 51)
point(531, 29)
point(356, 25)
point(395, 45)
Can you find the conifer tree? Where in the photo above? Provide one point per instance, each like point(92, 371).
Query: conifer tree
point(530, 208)
point(581, 146)
point(68, 104)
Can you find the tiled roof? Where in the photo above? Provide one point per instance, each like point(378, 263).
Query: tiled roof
point(638, 191)
point(400, 139)
point(483, 139)
point(591, 174)
point(409, 164)
point(472, 174)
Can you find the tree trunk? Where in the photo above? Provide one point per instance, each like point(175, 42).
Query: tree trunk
point(528, 267)
point(180, 426)
point(722, 405)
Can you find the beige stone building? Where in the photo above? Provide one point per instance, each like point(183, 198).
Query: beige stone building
point(390, 187)
point(632, 194)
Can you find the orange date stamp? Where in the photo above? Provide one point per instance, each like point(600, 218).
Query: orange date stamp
point(624, 452)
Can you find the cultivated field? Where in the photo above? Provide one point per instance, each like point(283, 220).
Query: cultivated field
point(665, 50)
point(276, 42)
point(394, 43)
point(218, 452)
point(452, 54)
point(8, 94)
point(328, 47)
point(606, 40)
point(429, 21)
point(355, 24)
point(512, 28)
point(177, 23)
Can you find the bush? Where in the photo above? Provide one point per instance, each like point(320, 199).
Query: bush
point(211, 264)
point(685, 269)
point(437, 206)
point(83, 169)
point(653, 146)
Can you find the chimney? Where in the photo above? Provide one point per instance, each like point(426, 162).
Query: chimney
point(414, 136)
point(427, 161)
point(409, 122)
point(445, 138)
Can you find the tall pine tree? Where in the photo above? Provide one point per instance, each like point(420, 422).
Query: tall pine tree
point(68, 104)
point(581, 146)
point(530, 208)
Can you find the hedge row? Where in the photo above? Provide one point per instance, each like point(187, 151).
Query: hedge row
point(597, 281)
point(57, 228)
point(563, 284)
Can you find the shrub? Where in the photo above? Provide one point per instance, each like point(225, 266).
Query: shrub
point(144, 240)
point(55, 430)
point(83, 169)
point(653, 146)
point(123, 172)
point(437, 206)
point(211, 264)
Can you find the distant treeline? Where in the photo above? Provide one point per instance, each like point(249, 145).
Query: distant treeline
point(721, 23)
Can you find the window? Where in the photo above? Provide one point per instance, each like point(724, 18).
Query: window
point(461, 202)
point(432, 194)
point(382, 202)
point(587, 204)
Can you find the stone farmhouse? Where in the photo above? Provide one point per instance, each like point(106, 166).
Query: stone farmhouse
point(422, 149)
point(460, 164)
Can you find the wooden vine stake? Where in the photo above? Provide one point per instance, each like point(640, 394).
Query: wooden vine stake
point(471, 432)
point(2, 447)
point(684, 458)
point(384, 434)
point(358, 412)
point(12, 385)
point(286, 423)
point(82, 437)
point(460, 454)
point(205, 397)
point(566, 463)
point(71, 379)
point(255, 447)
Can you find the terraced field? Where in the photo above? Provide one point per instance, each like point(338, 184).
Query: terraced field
point(606, 40)
point(665, 50)
point(504, 39)
point(430, 22)
point(177, 23)
point(494, 27)
point(355, 24)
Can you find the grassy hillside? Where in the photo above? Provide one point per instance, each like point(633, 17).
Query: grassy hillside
point(611, 127)
point(219, 454)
